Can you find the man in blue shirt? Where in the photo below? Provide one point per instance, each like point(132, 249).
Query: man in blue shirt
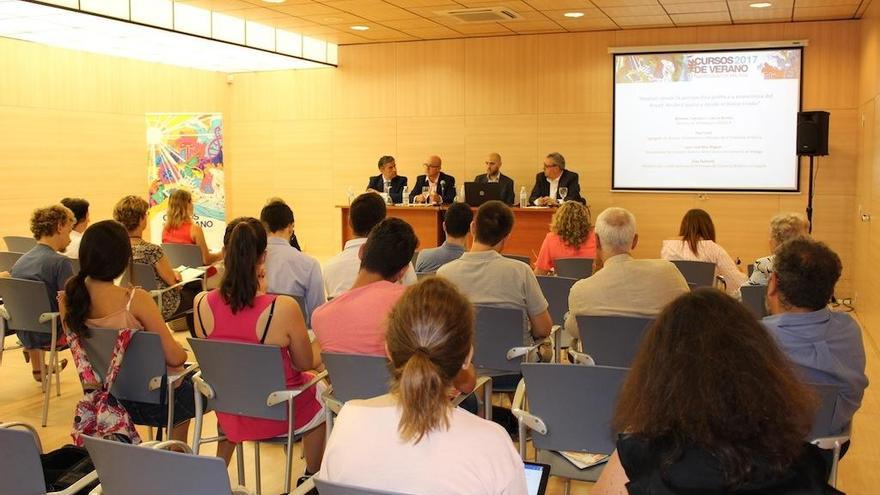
point(456, 224)
point(825, 346)
point(288, 270)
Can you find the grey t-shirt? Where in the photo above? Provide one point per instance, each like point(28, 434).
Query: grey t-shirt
point(430, 260)
point(487, 277)
point(44, 264)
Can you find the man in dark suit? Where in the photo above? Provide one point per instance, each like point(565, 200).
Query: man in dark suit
point(547, 183)
point(493, 174)
point(441, 187)
point(389, 176)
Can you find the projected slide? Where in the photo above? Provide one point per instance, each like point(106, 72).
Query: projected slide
point(707, 120)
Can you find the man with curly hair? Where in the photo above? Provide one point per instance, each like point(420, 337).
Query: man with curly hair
point(51, 228)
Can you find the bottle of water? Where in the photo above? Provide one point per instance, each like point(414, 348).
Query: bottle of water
point(405, 195)
point(523, 197)
point(350, 195)
point(460, 196)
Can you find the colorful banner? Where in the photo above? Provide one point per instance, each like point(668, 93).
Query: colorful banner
point(186, 151)
point(683, 67)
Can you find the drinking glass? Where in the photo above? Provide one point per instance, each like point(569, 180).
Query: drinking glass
point(425, 191)
point(563, 192)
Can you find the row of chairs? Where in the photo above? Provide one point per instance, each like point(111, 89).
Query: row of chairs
point(178, 254)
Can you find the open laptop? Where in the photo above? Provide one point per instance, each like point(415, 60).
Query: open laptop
point(536, 477)
point(477, 193)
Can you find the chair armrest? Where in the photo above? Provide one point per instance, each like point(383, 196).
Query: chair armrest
point(280, 396)
point(719, 279)
point(307, 486)
point(580, 358)
point(515, 352)
point(481, 381)
point(524, 417)
point(156, 381)
point(47, 317)
point(78, 486)
point(3, 313)
point(202, 386)
point(167, 444)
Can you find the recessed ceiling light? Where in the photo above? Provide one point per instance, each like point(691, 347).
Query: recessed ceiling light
point(274, 1)
point(760, 5)
point(573, 15)
point(360, 28)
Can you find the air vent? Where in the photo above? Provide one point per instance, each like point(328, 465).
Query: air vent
point(494, 14)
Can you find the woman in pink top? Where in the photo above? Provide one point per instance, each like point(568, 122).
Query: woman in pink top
point(696, 242)
point(91, 300)
point(241, 311)
point(180, 229)
point(570, 236)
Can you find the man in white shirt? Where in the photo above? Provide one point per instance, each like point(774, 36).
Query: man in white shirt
point(288, 270)
point(624, 286)
point(340, 272)
point(546, 191)
point(80, 209)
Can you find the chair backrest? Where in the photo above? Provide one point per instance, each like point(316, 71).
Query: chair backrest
point(138, 470)
point(183, 254)
point(556, 290)
point(330, 488)
point(751, 269)
point(242, 376)
point(423, 275)
point(25, 301)
point(19, 244)
point(612, 340)
point(7, 259)
point(415, 257)
point(144, 277)
point(143, 361)
point(576, 268)
point(699, 273)
point(357, 376)
point(754, 298)
point(524, 259)
point(20, 470)
point(497, 330)
point(576, 404)
point(301, 302)
point(74, 263)
point(823, 422)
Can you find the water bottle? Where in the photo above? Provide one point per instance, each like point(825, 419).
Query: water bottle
point(350, 195)
point(523, 197)
point(460, 196)
point(405, 194)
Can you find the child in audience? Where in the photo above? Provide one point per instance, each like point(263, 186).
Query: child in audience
point(712, 406)
point(570, 236)
point(426, 446)
point(180, 229)
point(241, 311)
point(92, 300)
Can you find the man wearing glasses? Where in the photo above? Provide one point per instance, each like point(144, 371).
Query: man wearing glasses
point(493, 174)
point(555, 184)
point(434, 187)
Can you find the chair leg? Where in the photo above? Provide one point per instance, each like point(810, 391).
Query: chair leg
point(197, 427)
point(169, 425)
point(47, 375)
point(487, 406)
point(289, 457)
point(239, 461)
point(567, 486)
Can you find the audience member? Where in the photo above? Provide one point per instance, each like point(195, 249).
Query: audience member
point(783, 227)
point(825, 346)
point(545, 192)
point(696, 242)
point(427, 446)
point(493, 174)
point(293, 241)
point(241, 311)
point(340, 272)
point(131, 212)
point(456, 224)
point(92, 300)
point(440, 187)
point(288, 270)
point(80, 209)
point(354, 322)
point(44, 262)
point(180, 228)
point(487, 277)
point(624, 286)
point(711, 406)
point(388, 181)
point(570, 236)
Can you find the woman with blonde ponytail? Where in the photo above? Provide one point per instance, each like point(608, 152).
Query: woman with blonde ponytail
point(426, 446)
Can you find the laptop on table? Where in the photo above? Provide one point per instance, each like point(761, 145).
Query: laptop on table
point(477, 193)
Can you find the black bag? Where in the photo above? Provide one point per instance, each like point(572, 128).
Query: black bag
point(65, 466)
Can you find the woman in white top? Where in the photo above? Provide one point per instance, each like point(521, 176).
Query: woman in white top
point(696, 242)
point(412, 440)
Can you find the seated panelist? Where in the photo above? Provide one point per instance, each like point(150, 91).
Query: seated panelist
point(395, 183)
point(434, 187)
point(493, 174)
point(550, 183)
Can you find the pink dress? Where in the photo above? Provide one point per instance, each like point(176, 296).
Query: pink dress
point(239, 327)
point(180, 235)
point(554, 247)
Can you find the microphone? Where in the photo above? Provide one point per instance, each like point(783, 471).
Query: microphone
point(442, 186)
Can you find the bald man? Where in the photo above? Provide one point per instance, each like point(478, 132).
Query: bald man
point(493, 174)
point(441, 187)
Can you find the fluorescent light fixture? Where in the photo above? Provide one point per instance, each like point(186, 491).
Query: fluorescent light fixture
point(573, 15)
point(360, 28)
point(760, 5)
point(182, 35)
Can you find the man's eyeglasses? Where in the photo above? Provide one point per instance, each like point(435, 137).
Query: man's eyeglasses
point(427, 165)
point(550, 166)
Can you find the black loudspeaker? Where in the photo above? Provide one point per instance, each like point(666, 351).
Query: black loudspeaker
point(812, 133)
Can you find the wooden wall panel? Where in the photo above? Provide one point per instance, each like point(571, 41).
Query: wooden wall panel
point(420, 137)
point(501, 75)
point(513, 136)
point(435, 89)
point(366, 84)
point(574, 73)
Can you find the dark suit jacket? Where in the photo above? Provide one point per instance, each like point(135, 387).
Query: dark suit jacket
point(506, 183)
point(568, 179)
point(447, 192)
point(397, 184)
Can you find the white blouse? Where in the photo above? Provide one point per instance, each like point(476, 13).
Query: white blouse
point(677, 249)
